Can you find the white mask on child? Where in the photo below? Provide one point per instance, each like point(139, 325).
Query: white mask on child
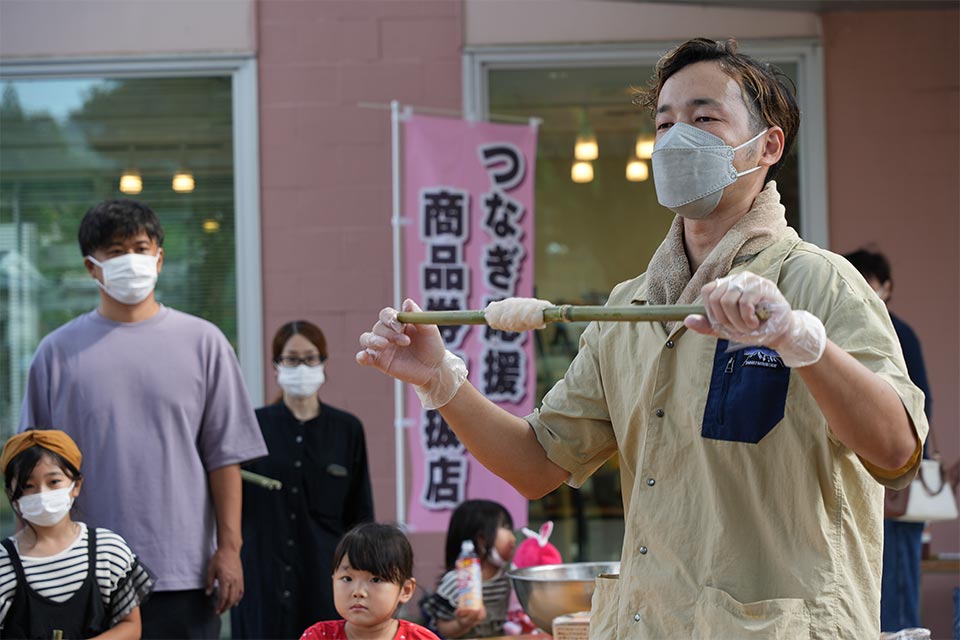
point(301, 380)
point(129, 278)
point(496, 559)
point(46, 508)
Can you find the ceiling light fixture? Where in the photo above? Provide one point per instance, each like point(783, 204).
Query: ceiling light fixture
point(645, 146)
point(581, 172)
point(131, 182)
point(182, 181)
point(637, 170)
point(586, 147)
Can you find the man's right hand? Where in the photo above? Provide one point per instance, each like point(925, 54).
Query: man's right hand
point(411, 353)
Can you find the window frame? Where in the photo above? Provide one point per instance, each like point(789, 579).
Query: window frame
point(807, 54)
point(242, 69)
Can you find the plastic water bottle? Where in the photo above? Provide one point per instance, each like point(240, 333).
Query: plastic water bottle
point(469, 578)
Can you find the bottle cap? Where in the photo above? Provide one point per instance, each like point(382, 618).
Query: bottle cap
point(466, 546)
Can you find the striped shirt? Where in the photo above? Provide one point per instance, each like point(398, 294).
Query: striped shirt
point(442, 604)
point(122, 580)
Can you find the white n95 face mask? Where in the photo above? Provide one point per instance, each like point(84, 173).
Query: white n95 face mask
point(128, 278)
point(300, 380)
point(692, 167)
point(46, 508)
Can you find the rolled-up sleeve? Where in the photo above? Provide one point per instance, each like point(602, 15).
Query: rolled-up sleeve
point(573, 423)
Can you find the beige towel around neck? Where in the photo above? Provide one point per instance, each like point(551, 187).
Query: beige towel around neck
point(668, 276)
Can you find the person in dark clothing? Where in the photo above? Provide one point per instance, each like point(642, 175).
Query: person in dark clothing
point(902, 541)
point(319, 454)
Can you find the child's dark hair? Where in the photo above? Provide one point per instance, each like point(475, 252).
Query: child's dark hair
point(381, 549)
point(117, 219)
point(22, 466)
point(476, 520)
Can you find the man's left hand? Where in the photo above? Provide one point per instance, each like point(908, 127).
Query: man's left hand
point(226, 570)
point(732, 305)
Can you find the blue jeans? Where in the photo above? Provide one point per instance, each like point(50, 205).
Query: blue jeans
point(900, 585)
point(956, 614)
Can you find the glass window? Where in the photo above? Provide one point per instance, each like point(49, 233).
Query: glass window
point(66, 144)
point(591, 235)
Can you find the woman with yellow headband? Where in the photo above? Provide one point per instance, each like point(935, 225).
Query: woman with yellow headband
point(99, 582)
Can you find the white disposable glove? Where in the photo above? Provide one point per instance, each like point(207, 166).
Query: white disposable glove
point(516, 314)
point(413, 353)
point(448, 377)
point(732, 303)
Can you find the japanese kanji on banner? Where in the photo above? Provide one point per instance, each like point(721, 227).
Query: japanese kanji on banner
point(468, 201)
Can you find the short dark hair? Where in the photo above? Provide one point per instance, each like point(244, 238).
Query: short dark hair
point(764, 86)
point(870, 264)
point(304, 328)
point(23, 464)
point(381, 549)
point(476, 520)
point(109, 220)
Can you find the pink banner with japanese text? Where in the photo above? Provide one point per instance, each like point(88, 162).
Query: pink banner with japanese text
point(468, 240)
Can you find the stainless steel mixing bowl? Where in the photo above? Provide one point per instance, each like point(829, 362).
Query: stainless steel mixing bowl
point(552, 590)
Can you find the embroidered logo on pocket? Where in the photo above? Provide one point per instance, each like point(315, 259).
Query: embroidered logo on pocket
point(762, 357)
point(747, 396)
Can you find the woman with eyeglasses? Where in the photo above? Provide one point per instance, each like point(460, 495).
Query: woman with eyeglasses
point(319, 454)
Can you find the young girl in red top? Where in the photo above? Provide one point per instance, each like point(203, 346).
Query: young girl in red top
point(372, 577)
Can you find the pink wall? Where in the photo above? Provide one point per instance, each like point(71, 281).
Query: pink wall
point(894, 181)
point(325, 179)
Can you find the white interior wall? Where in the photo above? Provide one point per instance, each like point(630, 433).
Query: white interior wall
point(499, 22)
point(108, 28)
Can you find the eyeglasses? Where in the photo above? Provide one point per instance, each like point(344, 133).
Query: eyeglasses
point(311, 360)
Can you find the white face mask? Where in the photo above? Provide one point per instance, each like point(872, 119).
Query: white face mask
point(300, 380)
point(495, 558)
point(692, 167)
point(128, 278)
point(46, 508)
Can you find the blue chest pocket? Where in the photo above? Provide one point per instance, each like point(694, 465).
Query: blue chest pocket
point(748, 393)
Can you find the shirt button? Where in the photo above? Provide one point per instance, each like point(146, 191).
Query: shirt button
point(297, 464)
point(290, 543)
point(659, 413)
point(294, 489)
point(643, 551)
point(636, 618)
point(651, 482)
point(286, 594)
point(293, 516)
point(670, 344)
point(287, 568)
point(299, 439)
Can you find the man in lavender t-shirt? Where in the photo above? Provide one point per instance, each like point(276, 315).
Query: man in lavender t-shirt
point(156, 402)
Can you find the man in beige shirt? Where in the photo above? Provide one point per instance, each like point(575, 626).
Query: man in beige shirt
point(752, 476)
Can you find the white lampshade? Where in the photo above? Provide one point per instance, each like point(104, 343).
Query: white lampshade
point(581, 172)
point(645, 147)
point(183, 181)
point(637, 170)
point(586, 147)
point(130, 182)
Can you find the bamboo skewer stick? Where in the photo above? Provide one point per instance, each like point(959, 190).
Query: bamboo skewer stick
point(571, 313)
point(564, 313)
point(262, 481)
